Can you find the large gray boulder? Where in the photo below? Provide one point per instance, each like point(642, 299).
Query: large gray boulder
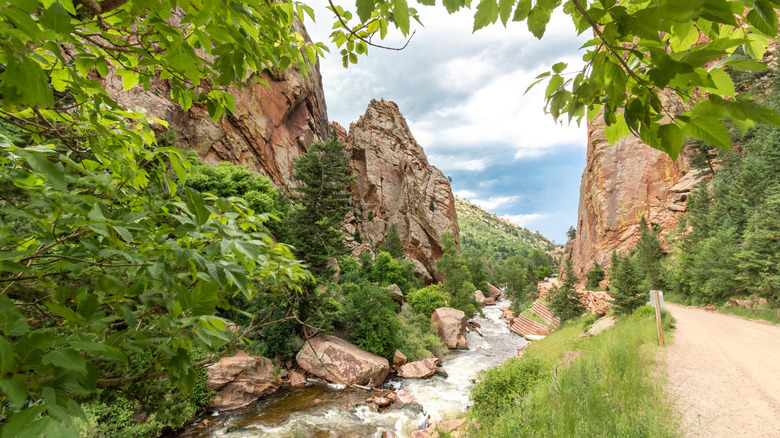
point(338, 361)
point(451, 327)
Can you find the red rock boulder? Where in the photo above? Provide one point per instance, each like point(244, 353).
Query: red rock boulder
point(480, 297)
point(451, 327)
point(421, 369)
point(493, 292)
point(240, 380)
point(399, 359)
point(338, 361)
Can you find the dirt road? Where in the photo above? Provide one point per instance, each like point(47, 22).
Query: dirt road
point(724, 375)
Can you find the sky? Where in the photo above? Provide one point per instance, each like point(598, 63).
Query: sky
point(462, 95)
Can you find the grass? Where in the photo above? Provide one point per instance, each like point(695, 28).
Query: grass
point(612, 390)
point(531, 315)
point(764, 313)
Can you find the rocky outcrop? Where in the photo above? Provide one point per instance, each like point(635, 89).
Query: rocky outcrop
point(338, 361)
point(451, 327)
point(240, 380)
point(272, 123)
point(620, 184)
point(396, 185)
point(421, 369)
point(396, 294)
point(540, 309)
point(526, 327)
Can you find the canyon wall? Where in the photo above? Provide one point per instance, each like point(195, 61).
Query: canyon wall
point(620, 184)
point(396, 185)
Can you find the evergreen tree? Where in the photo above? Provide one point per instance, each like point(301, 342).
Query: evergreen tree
point(759, 259)
point(571, 234)
point(565, 301)
point(649, 255)
point(458, 283)
point(594, 276)
point(393, 243)
point(321, 202)
point(626, 285)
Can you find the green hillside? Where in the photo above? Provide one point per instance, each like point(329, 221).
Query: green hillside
point(494, 236)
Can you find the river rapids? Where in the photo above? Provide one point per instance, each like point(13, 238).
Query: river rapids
point(290, 412)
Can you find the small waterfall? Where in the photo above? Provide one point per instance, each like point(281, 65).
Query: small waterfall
point(291, 413)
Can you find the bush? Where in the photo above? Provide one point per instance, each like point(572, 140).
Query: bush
point(419, 339)
point(644, 311)
point(369, 318)
point(424, 301)
point(501, 388)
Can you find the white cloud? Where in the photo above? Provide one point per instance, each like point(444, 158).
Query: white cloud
point(526, 220)
point(495, 202)
point(464, 194)
point(468, 165)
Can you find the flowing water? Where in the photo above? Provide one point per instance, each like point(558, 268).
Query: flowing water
point(291, 412)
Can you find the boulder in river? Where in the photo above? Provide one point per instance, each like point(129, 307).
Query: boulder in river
point(399, 359)
point(338, 361)
point(480, 297)
point(490, 301)
point(420, 369)
point(240, 380)
point(297, 379)
point(493, 292)
point(451, 326)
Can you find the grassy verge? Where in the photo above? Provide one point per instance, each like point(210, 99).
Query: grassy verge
point(531, 315)
point(765, 312)
point(612, 390)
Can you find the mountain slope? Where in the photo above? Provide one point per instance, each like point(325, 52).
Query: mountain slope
point(493, 235)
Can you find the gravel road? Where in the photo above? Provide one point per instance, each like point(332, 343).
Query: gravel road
point(724, 374)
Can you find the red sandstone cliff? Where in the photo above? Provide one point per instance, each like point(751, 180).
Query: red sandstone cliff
point(620, 184)
point(396, 185)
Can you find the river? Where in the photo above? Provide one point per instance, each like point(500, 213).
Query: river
point(291, 412)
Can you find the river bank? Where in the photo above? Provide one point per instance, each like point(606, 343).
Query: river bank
point(322, 410)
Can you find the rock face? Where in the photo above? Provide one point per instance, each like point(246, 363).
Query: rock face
point(396, 185)
point(420, 369)
point(451, 326)
point(620, 184)
point(338, 361)
point(240, 380)
point(272, 124)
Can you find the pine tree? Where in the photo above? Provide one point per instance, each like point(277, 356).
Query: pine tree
point(594, 276)
point(626, 289)
point(649, 254)
point(321, 202)
point(565, 301)
point(393, 243)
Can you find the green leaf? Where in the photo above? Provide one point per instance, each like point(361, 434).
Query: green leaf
point(724, 86)
point(747, 65)
point(671, 137)
point(708, 129)
point(16, 390)
point(505, 10)
point(537, 20)
point(401, 14)
point(616, 131)
point(559, 67)
point(487, 13)
point(129, 80)
point(66, 358)
point(522, 10)
point(364, 9)
point(41, 164)
point(7, 357)
point(57, 19)
point(763, 18)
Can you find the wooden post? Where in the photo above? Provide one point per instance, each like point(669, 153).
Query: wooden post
point(656, 299)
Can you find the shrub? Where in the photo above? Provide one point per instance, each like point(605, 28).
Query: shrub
point(594, 276)
point(419, 340)
point(424, 301)
point(644, 311)
point(369, 318)
point(500, 388)
point(387, 271)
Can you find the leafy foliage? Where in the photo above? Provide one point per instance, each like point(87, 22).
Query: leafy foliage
point(637, 50)
point(369, 318)
point(502, 387)
point(457, 281)
point(424, 301)
point(418, 339)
